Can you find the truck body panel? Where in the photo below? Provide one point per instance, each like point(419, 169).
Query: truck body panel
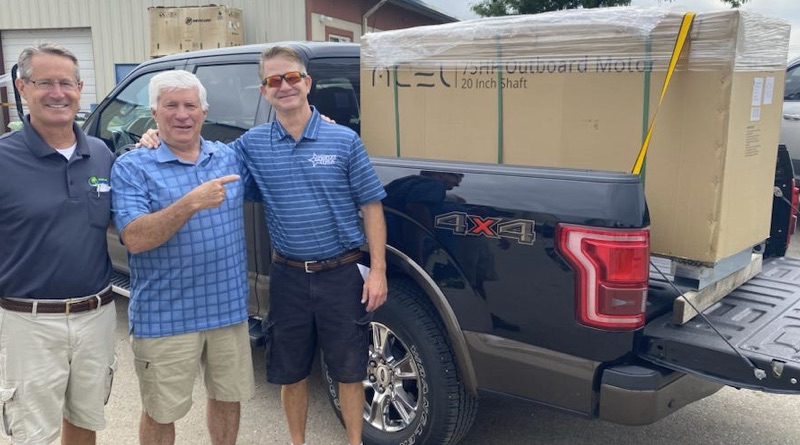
point(482, 299)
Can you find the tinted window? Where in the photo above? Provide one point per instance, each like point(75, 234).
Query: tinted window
point(233, 99)
point(336, 89)
point(128, 115)
point(792, 91)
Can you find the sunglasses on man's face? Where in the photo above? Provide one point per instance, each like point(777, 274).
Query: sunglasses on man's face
point(292, 77)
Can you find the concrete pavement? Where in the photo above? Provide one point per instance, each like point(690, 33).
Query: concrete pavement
point(730, 416)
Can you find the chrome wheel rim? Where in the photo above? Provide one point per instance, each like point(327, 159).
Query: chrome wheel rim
point(392, 387)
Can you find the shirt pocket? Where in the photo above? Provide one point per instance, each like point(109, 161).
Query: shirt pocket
point(99, 208)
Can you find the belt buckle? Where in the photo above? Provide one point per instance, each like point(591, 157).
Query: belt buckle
point(308, 263)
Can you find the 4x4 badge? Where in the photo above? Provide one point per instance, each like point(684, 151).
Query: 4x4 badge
point(460, 223)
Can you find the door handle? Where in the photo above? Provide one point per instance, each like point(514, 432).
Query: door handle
point(792, 117)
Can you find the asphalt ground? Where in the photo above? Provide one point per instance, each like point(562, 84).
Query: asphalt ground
point(731, 417)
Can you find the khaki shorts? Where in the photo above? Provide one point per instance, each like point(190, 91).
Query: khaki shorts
point(168, 366)
point(55, 366)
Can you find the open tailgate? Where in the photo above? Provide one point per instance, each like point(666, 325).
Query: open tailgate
point(761, 319)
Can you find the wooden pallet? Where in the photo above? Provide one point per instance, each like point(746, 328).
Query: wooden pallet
point(703, 298)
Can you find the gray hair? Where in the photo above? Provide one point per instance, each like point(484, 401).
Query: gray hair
point(24, 63)
point(280, 51)
point(174, 80)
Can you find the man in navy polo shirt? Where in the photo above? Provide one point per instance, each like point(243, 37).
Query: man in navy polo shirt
point(56, 306)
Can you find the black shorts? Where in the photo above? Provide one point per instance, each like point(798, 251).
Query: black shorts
point(309, 308)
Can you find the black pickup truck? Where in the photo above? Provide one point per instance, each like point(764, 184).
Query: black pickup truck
point(534, 283)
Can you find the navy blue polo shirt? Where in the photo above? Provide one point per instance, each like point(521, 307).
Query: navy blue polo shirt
point(53, 216)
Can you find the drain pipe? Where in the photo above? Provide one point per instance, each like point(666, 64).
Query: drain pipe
point(366, 16)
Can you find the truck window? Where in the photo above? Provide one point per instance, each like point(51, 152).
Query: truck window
point(336, 90)
point(792, 91)
point(233, 99)
point(128, 115)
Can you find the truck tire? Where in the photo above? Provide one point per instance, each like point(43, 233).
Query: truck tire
point(413, 393)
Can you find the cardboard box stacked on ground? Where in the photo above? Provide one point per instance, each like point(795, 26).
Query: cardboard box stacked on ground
point(189, 28)
point(578, 88)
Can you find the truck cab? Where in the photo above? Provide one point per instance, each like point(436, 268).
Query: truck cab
point(533, 283)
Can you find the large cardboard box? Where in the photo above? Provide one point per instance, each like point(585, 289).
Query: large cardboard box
point(578, 89)
point(189, 28)
point(165, 31)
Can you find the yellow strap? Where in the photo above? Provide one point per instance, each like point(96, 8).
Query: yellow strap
point(683, 36)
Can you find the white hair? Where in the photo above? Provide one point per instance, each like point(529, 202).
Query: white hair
point(174, 80)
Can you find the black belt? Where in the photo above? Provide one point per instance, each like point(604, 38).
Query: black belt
point(351, 256)
point(66, 307)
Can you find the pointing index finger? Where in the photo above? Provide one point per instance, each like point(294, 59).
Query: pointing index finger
point(229, 178)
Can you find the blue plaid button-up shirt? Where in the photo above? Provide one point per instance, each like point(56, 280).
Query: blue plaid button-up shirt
point(197, 280)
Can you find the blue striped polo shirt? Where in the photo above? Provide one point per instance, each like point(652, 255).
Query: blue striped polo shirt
point(313, 187)
point(197, 280)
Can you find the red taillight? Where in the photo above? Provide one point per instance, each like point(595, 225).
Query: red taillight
point(611, 274)
point(793, 212)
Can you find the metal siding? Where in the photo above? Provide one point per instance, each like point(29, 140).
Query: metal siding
point(41, 14)
point(76, 40)
point(275, 20)
point(120, 29)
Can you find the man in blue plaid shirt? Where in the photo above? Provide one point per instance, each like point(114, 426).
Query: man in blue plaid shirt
point(179, 212)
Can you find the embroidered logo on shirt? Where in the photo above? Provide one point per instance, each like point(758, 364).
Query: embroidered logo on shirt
point(322, 159)
point(101, 185)
point(94, 181)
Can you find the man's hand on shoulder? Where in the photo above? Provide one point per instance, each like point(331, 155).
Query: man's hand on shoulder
point(149, 139)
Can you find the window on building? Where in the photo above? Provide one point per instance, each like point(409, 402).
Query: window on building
point(338, 38)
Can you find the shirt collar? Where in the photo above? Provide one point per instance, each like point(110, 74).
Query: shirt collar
point(42, 149)
point(164, 154)
point(311, 131)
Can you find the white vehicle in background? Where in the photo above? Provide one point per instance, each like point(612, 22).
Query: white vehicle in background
point(790, 125)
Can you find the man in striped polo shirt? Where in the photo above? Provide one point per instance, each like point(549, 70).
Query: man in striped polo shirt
point(179, 212)
point(314, 177)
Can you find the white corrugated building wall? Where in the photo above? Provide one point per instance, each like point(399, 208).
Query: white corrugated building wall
point(104, 33)
point(112, 35)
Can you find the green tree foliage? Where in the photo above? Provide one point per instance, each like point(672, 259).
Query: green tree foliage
point(491, 8)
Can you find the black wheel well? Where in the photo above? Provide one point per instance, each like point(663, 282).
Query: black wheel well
point(401, 267)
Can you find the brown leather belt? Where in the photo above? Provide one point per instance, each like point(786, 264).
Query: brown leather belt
point(351, 256)
point(66, 307)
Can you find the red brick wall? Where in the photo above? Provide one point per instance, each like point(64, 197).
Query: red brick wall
point(387, 17)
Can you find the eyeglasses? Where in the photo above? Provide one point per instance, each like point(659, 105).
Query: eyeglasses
point(50, 85)
point(292, 77)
